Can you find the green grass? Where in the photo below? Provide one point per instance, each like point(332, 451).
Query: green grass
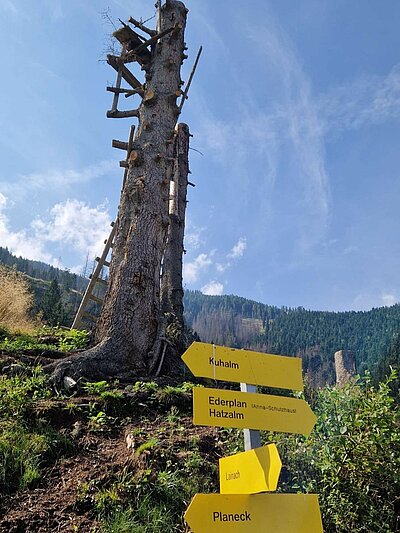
point(44, 338)
point(26, 443)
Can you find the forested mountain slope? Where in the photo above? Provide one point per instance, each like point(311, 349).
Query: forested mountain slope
point(43, 271)
point(238, 322)
point(315, 335)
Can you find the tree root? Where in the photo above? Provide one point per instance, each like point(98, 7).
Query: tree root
point(106, 360)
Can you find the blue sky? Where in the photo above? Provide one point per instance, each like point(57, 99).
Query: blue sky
point(295, 107)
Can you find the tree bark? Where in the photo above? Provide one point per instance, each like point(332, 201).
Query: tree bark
point(171, 287)
point(129, 325)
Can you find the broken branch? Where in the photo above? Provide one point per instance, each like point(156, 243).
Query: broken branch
point(142, 27)
point(185, 92)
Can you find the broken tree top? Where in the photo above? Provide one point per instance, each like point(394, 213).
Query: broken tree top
point(140, 49)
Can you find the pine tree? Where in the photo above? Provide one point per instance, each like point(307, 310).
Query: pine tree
point(52, 308)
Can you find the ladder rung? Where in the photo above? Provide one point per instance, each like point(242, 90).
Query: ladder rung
point(105, 263)
point(118, 90)
point(121, 145)
point(100, 280)
point(97, 300)
point(126, 74)
point(91, 317)
point(112, 113)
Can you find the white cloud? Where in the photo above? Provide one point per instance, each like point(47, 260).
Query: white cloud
point(193, 269)
point(193, 236)
point(374, 298)
point(55, 179)
point(304, 128)
point(72, 224)
point(267, 130)
point(213, 288)
point(19, 242)
point(367, 100)
point(238, 249)
point(351, 249)
point(389, 299)
point(221, 267)
point(75, 224)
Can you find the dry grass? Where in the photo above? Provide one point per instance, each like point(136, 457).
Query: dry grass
point(15, 301)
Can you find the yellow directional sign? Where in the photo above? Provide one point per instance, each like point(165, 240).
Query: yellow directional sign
point(247, 410)
point(244, 366)
point(257, 513)
point(250, 472)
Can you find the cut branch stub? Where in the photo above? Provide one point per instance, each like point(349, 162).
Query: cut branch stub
point(134, 157)
point(149, 97)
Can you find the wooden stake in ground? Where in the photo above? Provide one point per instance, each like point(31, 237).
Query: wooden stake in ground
point(128, 330)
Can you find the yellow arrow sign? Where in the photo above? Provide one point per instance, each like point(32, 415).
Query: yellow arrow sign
point(247, 410)
point(257, 513)
point(250, 472)
point(244, 366)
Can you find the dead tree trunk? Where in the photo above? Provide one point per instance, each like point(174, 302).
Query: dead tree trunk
point(171, 287)
point(129, 325)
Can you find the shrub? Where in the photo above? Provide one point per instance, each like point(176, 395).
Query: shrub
point(15, 301)
point(351, 459)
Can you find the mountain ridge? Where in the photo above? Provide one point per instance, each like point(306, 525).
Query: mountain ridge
point(239, 322)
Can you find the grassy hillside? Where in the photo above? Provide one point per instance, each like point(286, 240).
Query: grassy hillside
point(126, 458)
point(113, 457)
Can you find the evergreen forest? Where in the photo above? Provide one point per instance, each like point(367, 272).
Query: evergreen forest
point(237, 322)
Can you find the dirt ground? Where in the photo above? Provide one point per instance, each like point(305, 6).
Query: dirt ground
point(61, 501)
point(54, 506)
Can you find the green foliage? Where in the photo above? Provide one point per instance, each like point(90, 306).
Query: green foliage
point(148, 445)
point(46, 338)
point(97, 387)
point(26, 444)
point(148, 517)
point(23, 452)
point(121, 521)
point(19, 393)
point(351, 459)
point(145, 386)
point(51, 307)
point(71, 339)
point(390, 361)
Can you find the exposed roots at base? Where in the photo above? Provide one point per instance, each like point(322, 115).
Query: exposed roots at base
point(103, 361)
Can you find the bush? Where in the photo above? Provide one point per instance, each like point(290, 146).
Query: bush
point(15, 301)
point(351, 459)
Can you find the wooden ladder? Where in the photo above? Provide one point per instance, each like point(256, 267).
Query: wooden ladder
point(94, 279)
point(123, 73)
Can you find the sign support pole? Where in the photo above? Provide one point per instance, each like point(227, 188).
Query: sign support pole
point(252, 437)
